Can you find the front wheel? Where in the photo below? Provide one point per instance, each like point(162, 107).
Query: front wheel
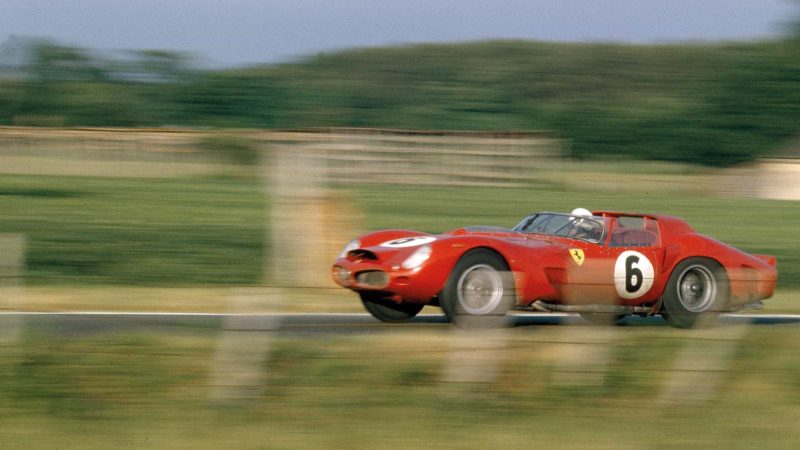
point(387, 310)
point(480, 290)
point(697, 291)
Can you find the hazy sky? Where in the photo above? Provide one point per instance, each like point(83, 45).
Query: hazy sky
point(234, 32)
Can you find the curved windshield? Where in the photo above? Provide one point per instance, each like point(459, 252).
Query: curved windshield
point(556, 224)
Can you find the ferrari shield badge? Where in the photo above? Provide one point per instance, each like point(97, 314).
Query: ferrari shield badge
point(577, 255)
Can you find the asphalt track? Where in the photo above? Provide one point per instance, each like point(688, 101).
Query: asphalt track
point(83, 323)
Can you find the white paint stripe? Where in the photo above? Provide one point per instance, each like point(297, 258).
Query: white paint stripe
point(308, 314)
point(764, 316)
point(208, 314)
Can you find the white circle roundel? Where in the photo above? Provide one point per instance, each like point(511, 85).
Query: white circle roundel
point(408, 242)
point(633, 274)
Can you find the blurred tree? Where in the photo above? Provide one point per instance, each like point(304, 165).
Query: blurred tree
point(713, 104)
point(44, 100)
point(158, 66)
point(54, 62)
point(235, 98)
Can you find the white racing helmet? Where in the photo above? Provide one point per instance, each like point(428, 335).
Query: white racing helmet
point(581, 212)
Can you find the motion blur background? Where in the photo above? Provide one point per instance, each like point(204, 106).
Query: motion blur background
point(158, 180)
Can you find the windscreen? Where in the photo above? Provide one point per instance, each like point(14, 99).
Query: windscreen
point(578, 227)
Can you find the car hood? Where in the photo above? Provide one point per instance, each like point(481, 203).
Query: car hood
point(402, 241)
point(485, 231)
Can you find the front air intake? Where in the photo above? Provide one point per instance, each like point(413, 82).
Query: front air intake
point(361, 255)
point(373, 278)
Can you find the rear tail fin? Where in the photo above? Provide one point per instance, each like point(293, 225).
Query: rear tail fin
point(769, 259)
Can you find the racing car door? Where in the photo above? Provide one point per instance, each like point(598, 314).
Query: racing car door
point(620, 268)
point(587, 276)
point(635, 251)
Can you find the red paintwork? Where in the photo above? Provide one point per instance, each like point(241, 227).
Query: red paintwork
point(544, 270)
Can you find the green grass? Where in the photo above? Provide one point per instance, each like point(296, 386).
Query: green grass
point(137, 390)
point(129, 231)
point(199, 231)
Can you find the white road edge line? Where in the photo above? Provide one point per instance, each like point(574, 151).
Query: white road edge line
point(270, 314)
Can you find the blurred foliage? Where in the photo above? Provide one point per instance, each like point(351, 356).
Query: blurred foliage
point(714, 104)
point(230, 148)
point(69, 387)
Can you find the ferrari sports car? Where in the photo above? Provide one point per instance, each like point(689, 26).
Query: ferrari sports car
point(603, 265)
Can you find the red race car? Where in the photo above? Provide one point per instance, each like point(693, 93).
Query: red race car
point(603, 265)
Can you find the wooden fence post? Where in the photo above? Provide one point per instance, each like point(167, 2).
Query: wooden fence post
point(12, 265)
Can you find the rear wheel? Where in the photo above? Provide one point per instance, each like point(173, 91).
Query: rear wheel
point(480, 290)
point(697, 291)
point(386, 310)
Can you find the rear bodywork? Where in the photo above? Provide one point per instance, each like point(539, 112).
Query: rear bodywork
point(629, 263)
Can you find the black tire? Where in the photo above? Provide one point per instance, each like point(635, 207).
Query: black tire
point(480, 290)
point(387, 310)
point(697, 291)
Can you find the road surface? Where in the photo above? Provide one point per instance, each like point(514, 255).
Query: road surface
point(79, 323)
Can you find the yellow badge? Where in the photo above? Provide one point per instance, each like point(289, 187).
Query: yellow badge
point(577, 255)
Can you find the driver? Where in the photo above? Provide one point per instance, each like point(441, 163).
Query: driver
point(585, 229)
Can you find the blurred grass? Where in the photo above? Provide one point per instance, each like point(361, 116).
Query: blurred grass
point(137, 231)
point(211, 229)
point(194, 299)
point(134, 390)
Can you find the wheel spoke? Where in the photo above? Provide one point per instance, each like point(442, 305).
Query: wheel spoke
point(480, 289)
point(696, 288)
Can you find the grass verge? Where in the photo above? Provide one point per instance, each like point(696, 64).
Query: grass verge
point(134, 390)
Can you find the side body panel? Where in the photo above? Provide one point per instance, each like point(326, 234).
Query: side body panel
point(751, 278)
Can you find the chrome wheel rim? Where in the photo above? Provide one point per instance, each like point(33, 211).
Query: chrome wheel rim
point(697, 288)
point(480, 289)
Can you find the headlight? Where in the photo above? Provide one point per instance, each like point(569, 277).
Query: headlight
point(352, 245)
point(417, 258)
